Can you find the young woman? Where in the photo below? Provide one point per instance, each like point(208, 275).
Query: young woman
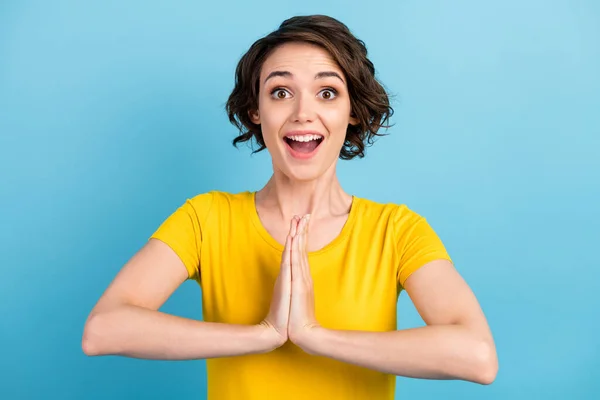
point(300, 280)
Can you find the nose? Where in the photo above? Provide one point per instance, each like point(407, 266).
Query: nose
point(304, 109)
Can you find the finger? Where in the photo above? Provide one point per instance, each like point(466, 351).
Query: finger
point(301, 236)
point(302, 250)
point(304, 244)
point(296, 257)
point(305, 229)
point(294, 226)
point(286, 259)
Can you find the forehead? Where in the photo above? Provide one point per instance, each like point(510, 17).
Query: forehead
point(299, 56)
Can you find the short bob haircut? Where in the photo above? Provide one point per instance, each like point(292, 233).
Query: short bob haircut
point(368, 99)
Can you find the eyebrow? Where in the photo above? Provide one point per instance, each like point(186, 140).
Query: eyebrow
point(288, 74)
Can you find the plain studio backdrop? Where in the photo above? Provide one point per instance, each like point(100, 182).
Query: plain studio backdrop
point(111, 115)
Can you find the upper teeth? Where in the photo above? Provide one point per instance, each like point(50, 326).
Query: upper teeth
point(305, 138)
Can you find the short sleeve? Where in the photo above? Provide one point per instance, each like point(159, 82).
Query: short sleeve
point(417, 243)
point(182, 232)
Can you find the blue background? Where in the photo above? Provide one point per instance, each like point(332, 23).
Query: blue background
point(111, 115)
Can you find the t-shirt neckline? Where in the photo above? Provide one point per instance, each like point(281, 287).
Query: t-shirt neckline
point(266, 236)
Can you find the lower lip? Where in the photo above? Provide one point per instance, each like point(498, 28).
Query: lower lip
point(302, 156)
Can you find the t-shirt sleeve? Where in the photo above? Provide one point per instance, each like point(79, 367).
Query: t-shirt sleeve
point(182, 231)
point(417, 243)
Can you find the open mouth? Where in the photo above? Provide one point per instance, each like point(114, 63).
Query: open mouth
point(303, 144)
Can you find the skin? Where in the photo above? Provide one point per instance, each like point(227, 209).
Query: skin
point(456, 342)
point(301, 102)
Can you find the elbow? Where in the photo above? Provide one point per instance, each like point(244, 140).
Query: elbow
point(486, 364)
point(92, 335)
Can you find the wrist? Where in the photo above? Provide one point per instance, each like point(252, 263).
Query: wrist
point(310, 339)
point(269, 338)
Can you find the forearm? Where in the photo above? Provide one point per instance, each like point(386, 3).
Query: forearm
point(141, 333)
point(430, 352)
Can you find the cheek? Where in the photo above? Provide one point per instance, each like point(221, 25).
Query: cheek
point(271, 123)
point(271, 114)
point(336, 119)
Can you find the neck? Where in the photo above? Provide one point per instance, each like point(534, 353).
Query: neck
point(322, 197)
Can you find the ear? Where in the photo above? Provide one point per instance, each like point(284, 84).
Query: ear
point(254, 117)
point(353, 120)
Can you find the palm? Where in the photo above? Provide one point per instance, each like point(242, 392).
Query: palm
point(279, 310)
point(292, 311)
point(302, 314)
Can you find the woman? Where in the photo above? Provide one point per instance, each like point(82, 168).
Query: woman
point(300, 279)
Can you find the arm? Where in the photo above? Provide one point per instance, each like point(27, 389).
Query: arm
point(455, 344)
point(126, 320)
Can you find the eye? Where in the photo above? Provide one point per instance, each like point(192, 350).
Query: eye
point(279, 93)
point(328, 93)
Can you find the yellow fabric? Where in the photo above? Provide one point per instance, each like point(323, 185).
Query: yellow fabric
point(357, 279)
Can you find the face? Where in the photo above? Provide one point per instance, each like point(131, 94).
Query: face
point(303, 110)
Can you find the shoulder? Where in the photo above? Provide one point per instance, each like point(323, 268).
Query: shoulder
point(398, 214)
point(218, 197)
point(218, 201)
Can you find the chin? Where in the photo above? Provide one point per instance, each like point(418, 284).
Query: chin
point(303, 173)
point(303, 169)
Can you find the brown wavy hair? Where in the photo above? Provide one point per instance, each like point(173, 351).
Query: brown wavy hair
point(369, 101)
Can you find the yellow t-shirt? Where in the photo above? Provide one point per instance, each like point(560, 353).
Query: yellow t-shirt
point(357, 279)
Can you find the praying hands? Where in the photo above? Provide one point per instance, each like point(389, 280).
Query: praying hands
point(292, 311)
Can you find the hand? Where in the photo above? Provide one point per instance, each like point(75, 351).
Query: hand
point(279, 311)
point(302, 309)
